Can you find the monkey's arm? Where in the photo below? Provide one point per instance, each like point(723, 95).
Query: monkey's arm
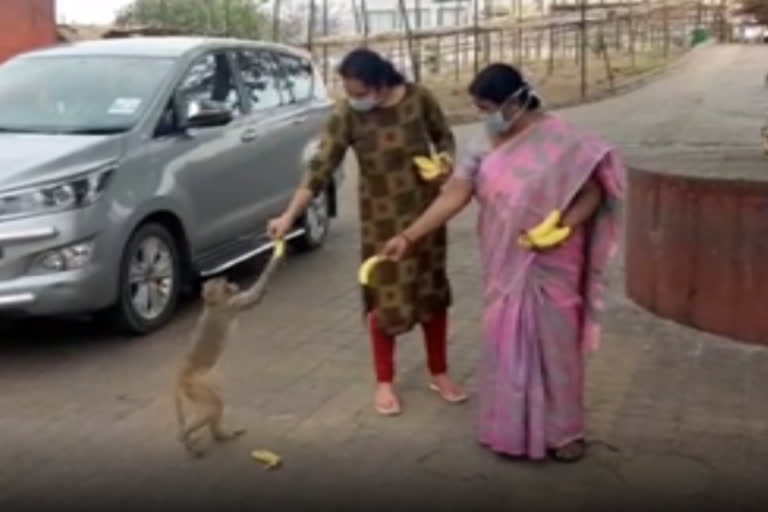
point(252, 295)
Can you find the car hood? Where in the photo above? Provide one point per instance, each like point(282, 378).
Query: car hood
point(27, 159)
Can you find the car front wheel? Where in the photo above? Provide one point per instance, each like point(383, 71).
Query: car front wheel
point(149, 281)
point(316, 222)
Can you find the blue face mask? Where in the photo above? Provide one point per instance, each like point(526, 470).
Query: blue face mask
point(496, 124)
point(365, 104)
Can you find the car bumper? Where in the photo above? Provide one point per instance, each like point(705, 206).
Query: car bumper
point(54, 292)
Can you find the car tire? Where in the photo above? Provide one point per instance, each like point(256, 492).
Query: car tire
point(316, 223)
point(148, 291)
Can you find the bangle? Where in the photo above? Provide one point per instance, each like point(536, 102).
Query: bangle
point(407, 239)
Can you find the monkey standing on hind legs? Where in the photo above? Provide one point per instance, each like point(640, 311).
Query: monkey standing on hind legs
point(222, 302)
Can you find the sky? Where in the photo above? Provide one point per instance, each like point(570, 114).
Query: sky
point(88, 11)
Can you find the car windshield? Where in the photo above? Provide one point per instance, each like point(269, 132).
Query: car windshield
point(78, 94)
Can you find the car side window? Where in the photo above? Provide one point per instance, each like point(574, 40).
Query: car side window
point(258, 71)
point(297, 78)
point(210, 79)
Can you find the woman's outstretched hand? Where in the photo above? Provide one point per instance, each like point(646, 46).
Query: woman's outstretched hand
point(395, 248)
point(279, 227)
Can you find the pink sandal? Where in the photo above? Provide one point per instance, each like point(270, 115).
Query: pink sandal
point(392, 410)
point(449, 397)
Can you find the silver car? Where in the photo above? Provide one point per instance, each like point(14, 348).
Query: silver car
point(130, 168)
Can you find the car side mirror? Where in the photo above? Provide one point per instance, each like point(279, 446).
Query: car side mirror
point(205, 114)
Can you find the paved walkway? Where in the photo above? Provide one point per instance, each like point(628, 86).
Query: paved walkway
point(682, 416)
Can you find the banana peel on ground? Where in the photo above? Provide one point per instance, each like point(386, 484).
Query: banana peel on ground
point(548, 233)
point(269, 459)
point(433, 167)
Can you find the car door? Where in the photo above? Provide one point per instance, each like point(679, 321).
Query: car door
point(306, 107)
point(204, 163)
point(265, 128)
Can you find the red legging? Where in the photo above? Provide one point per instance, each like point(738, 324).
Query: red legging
point(435, 339)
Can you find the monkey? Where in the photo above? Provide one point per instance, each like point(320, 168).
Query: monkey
point(222, 302)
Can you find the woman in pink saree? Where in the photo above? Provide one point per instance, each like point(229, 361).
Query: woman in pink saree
point(540, 306)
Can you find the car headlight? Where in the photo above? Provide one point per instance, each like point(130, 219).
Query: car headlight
point(76, 192)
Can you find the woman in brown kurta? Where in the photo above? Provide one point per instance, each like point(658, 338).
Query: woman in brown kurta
point(387, 122)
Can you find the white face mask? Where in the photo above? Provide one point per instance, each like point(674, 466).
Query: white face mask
point(496, 124)
point(364, 104)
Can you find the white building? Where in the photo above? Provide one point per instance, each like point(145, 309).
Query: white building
point(385, 16)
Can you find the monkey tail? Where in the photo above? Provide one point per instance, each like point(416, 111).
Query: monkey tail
point(178, 401)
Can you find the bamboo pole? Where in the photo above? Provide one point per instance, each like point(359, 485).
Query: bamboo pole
point(276, 11)
point(311, 25)
point(364, 18)
point(476, 35)
point(325, 46)
point(409, 39)
point(584, 46)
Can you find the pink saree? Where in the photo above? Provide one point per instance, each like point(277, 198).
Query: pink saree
point(540, 309)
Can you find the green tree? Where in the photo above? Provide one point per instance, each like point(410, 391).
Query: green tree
point(235, 18)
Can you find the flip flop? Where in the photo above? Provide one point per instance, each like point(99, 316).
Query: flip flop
point(452, 399)
point(393, 410)
point(557, 454)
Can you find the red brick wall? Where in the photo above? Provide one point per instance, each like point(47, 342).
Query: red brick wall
point(26, 25)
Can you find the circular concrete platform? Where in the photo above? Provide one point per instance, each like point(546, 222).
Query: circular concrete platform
point(697, 251)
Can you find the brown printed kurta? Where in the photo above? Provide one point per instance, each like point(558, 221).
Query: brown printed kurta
point(391, 196)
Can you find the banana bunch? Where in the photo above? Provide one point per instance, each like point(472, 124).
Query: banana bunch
point(546, 234)
point(269, 459)
point(433, 167)
point(366, 269)
point(279, 251)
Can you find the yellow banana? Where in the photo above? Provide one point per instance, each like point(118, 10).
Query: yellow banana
point(431, 168)
point(552, 238)
point(545, 226)
point(445, 158)
point(428, 168)
point(279, 251)
point(269, 459)
point(364, 274)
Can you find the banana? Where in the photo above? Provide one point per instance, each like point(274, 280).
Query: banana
point(429, 169)
point(545, 226)
point(445, 158)
point(364, 274)
point(434, 166)
point(269, 459)
point(552, 238)
point(279, 251)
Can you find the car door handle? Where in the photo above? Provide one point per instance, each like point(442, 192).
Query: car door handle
point(249, 135)
point(300, 120)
